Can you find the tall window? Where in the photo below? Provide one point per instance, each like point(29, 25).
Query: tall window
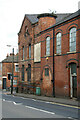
point(26, 52)
point(72, 41)
point(29, 73)
point(58, 43)
point(48, 45)
point(23, 53)
point(22, 72)
point(29, 50)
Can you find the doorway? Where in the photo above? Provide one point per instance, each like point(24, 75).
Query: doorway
point(29, 73)
point(4, 83)
point(73, 80)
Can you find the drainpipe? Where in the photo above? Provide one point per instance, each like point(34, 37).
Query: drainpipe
point(53, 65)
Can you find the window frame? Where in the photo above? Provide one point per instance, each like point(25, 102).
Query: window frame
point(23, 74)
point(58, 42)
point(46, 71)
point(48, 46)
point(23, 53)
point(16, 68)
point(72, 39)
point(29, 50)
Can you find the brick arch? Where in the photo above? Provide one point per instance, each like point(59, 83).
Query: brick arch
point(47, 35)
point(58, 31)
point(71, 26)
point(72, 61)
point(43, 70)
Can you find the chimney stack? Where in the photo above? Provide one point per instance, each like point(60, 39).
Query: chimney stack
point(11, 54)
point(7, 55)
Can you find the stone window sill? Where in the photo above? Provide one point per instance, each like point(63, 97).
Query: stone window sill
point(71, 52)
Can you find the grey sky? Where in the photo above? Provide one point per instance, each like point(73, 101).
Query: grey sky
point(12, 13)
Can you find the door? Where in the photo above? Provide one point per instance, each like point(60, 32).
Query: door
point(73, 80)
point(29, 73)
point(4, 83)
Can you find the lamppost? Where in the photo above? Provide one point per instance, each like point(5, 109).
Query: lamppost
point(12, 69)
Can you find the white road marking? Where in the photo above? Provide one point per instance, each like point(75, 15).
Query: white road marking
point(34, 100)
point(47, 102)
point(40, 110)
point(14, 103)
point(17, 103)
point(72, 118)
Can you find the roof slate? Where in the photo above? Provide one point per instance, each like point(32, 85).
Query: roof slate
point(9, 59)
point(33, 17)
point(62, 17)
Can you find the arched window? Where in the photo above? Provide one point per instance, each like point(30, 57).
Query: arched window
point(72, 40)
point(23, 53)
point(48, 45)
point(58, 43)
point(29, 50)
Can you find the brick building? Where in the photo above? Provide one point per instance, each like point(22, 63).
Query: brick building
point(0, 75)
point(7, 71)
point(49, 54)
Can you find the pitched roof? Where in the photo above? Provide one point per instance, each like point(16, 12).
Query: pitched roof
point(33, 17)
point(68, 17)
point(10, 58)
point(62, 17)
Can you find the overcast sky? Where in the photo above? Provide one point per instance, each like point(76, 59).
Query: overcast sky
point(12, 13)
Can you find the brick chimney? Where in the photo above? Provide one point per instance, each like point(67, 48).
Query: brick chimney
point(11, 54)
point(46, 20)
point(7, 55)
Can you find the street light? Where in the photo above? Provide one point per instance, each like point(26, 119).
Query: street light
point(12, 70)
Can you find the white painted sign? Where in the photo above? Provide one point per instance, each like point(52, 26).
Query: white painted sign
point(37, 52)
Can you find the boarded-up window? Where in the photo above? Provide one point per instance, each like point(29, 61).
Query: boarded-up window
point(37, 52)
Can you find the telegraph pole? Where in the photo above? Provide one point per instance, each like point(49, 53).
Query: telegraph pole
point(12, 71)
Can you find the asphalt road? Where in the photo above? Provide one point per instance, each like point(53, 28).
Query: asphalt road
point(19, 107)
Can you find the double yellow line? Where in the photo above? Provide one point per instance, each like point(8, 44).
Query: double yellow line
point(65, 105)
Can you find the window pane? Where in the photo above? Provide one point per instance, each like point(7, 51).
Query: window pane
point(16, 68)
point(23, 53)
point(29, 51)
point(46, 71)
point(58, 43)
point(48, 46)
point(22, 72)
point(72, 39)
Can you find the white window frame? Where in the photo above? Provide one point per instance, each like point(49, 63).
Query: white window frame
point(72, 39)
point(58, 43)
point(15, 67)
point(47, 45)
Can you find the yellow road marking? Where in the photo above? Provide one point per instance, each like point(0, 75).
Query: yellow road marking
point(65, 105)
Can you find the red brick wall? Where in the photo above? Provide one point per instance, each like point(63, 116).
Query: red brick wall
point(61, 72)
point(7, 68)
point(36, 68)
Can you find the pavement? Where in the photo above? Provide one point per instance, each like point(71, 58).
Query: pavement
point(66, 101)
